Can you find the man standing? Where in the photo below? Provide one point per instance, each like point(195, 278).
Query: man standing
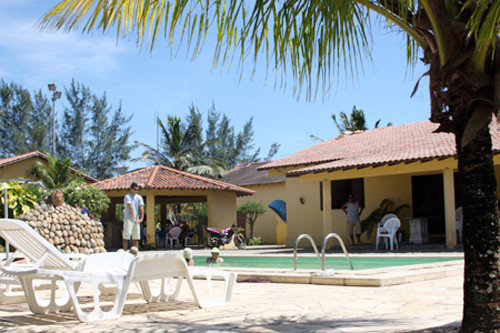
point(134, 215)
point(353, 210)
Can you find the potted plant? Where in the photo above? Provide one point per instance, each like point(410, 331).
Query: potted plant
point(386, 207)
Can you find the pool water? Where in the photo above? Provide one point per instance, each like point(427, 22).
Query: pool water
point(340, 263)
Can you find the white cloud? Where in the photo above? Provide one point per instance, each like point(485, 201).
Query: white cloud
point(24, 48)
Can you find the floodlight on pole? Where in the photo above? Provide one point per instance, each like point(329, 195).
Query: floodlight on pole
point(55, 96)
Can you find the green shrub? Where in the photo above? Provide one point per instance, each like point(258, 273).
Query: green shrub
point(87, 196)
point(21, 197)
point(254, 241)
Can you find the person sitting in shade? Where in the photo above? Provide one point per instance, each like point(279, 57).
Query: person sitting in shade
point(84, 211)
point(215, 256)
point(188, 255)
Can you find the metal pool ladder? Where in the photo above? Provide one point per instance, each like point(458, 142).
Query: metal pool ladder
point(323, 249)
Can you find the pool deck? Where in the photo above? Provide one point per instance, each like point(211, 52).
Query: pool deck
point(413, 306)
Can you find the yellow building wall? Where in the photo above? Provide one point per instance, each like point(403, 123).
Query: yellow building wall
point(221, 209)
point(497, 175)
point(304, 218)
point(398, 190)
point(265, 226)
point(19, 169)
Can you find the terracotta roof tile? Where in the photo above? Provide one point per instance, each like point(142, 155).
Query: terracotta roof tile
point(386, 145)
point(249, 174)
point(161, 177)
point(13, 159)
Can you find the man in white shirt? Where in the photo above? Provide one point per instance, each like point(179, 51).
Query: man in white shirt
point(353, 210)
point(133, 217)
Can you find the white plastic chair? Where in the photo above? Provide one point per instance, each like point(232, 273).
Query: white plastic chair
point(459, 222)
point(388, 231)
point(385, 218)
point(173, 235)
point(50, 265)
point(189, 237)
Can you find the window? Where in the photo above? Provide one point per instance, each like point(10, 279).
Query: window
point(342, 188)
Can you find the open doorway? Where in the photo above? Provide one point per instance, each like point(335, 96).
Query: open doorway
point(428, 201)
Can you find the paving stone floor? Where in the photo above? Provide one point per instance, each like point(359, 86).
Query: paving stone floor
point(429, 306)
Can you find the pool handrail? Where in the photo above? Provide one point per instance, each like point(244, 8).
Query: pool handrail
point(323, 249)
point(307, 236)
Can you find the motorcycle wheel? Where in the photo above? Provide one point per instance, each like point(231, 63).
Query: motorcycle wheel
point(209, 242)
point(240, 242)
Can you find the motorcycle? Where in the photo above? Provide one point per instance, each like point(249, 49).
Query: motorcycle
point(217, 237)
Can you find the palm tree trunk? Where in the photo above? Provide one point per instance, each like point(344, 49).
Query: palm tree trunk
point(481, 230)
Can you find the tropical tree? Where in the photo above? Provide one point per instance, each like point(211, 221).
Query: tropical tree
point(228, 147)
point(107, 141)
point(178, 147)
point(184, 147)
point(96, 138)
point(355, 122)
point(73, 126)
point(458, 40)
point(251, 210)
point(56, 173)
point(23, 120)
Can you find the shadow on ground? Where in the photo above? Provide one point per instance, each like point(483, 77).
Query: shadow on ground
point(149, 318)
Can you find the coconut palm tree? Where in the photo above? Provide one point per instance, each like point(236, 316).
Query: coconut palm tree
point(56, 173)
point(180, 148)
point(177, 145)
point(457, 39)
point(355, 122)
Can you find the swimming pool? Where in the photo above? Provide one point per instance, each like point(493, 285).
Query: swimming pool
point(338, 263)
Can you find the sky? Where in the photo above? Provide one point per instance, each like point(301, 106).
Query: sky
point(157, 84)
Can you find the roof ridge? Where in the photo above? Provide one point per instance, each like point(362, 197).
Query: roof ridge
point(152, 176)
point(222, 185)
point(187, 174)
point(127, 173)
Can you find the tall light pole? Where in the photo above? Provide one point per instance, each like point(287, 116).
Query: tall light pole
point(55, 96)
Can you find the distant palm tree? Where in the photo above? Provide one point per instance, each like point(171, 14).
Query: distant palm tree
point(177, 148)
point(180, 148)
point(355, 122)
point(56, 173)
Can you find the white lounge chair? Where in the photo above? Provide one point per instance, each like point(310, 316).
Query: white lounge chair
point(388, 231)
point(166, 266)
point(10, 287)
point(49, 264)
point(118, 269)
